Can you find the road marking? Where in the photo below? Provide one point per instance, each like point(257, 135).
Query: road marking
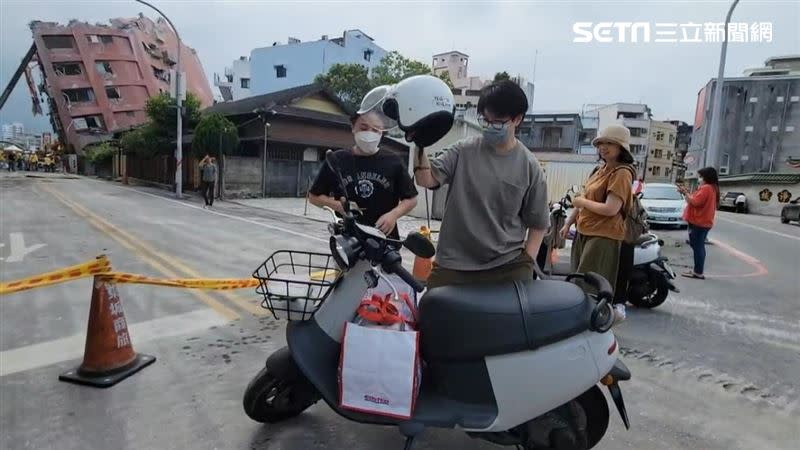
point(131, 244)
point(18, 249)
point(56, 351)
point(776, 233)
point(229, 216)
point(760, 270)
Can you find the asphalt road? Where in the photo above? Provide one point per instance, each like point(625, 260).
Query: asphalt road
point(715, 367)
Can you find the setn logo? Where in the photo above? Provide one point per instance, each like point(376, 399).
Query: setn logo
point(604, 32)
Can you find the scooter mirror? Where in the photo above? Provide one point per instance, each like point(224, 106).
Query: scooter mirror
point(575, 189)
point(419, 245)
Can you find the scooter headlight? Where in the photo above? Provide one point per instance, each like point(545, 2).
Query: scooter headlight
point(344, 250)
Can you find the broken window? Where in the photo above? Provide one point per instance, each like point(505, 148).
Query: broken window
point(106, 39)
point(66, 69)
point(88, 123)
point(81, 95)
point(55, 41)
point(367, 55)
point(104, 68)
point(113, 93)
point(280, 71)
point(160, 74)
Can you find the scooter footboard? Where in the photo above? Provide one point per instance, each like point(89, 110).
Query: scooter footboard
point(550, 376)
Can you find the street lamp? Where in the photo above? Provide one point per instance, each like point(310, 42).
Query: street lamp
point(179, 104)
point(712, 146)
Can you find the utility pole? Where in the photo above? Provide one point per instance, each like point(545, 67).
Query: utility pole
point(179, 105)
point(711, 155)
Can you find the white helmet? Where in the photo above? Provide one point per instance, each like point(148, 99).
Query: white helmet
point(422, 106)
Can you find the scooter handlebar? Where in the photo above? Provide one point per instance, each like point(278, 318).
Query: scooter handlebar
point(398, 269)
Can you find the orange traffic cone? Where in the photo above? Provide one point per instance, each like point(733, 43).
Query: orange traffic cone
point(422, 266)
point(109, 357)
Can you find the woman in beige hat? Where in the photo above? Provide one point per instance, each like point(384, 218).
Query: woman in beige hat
point(600, 223)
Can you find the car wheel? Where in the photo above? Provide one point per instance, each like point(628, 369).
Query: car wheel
point(784, 219)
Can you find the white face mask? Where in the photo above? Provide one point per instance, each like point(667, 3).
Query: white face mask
point(368, 141)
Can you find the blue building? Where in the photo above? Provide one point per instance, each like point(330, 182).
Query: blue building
point(296, 63)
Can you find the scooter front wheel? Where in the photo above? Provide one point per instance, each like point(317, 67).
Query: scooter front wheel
point(269, 399)
point(659, 290)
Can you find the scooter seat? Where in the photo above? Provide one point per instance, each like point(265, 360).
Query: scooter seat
point(472, 321)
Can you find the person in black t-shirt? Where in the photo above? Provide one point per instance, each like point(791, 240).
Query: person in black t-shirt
point(377, 181)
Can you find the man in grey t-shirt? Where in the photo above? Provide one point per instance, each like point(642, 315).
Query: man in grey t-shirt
point(496, 213)
point(208, 177)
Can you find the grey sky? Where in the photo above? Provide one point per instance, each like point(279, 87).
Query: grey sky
point(497, 36)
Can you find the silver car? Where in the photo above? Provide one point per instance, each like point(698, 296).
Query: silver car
point(664, 204)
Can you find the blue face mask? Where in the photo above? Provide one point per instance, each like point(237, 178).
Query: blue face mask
point(495, 137)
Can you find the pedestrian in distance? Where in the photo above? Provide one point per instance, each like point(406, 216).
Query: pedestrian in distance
point(741, 204)
point(600, 212)
point(208, 179)
point(701, 208)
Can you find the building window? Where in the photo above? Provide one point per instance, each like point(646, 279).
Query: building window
point(280, 71)
point(671, 138)
point(106, 39)
point(659, 136)
point(789, 129)
point(130, 113)
point(245, 83)
point(637, 149)
point(160, 74)
point(104, 68)
point(658, 153)
point(113, 93)
point(66, 69)
point(53, 42)
point(774, 129)
point(88, 123)
point(83, 95)
point(748, 129)
point(367, 55)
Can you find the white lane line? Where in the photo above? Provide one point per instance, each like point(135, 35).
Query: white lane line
point(776, 233)
point(229, 216)
point(59, 350)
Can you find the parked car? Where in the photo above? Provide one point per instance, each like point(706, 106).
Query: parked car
point(791, 211)
point(664, 204)
point(728, 201)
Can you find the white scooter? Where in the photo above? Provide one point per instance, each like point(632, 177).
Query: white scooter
point(651, 277)
point(516, 363)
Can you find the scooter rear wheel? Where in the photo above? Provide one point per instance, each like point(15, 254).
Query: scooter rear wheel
point(269, 399)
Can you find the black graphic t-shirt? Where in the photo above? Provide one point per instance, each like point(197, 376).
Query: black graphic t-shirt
point(376, 183)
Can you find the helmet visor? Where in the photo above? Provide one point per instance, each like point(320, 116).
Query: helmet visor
point(373, 104)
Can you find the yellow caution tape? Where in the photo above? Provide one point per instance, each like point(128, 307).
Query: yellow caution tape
point(101, 267)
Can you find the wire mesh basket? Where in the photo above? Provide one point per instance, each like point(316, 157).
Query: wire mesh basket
point(295, 283)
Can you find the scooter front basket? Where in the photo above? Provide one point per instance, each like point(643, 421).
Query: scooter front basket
point(294, 283)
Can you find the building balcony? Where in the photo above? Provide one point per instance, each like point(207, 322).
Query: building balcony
point(637, 123)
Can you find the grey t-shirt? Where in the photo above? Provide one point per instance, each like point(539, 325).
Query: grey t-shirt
point(492, 201)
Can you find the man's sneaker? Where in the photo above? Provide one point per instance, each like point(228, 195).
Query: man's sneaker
point(619, 313)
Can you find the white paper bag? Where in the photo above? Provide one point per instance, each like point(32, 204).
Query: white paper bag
point(379, 371)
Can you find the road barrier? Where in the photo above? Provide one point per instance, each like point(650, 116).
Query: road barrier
point(109, 356)
point(101, 267)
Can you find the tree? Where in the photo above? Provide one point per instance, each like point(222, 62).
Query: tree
point(445, 76)
point(160, 109)
point(100, 153)
point(215, 135)
point(395, 67)
point(350, 82)
point(501, 76)
point(145, 140)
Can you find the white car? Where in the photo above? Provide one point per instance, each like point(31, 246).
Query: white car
point(664, 204)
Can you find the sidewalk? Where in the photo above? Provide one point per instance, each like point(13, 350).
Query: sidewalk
point(297, 207)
